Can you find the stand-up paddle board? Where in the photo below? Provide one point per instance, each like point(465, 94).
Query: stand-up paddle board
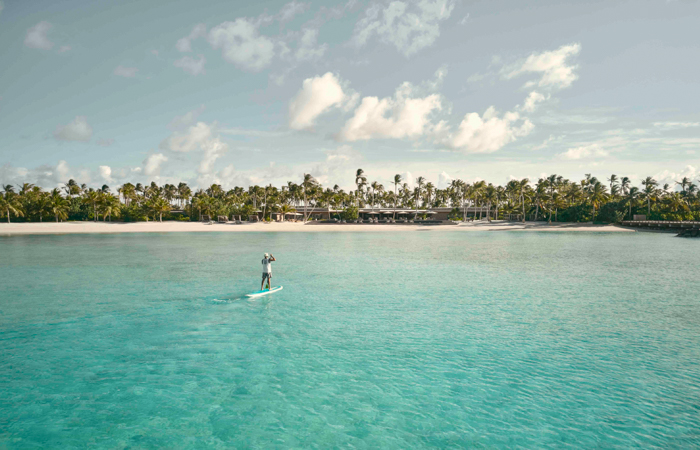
point(264, 292)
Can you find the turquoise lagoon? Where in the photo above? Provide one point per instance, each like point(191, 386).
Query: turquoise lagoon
point(416, 339)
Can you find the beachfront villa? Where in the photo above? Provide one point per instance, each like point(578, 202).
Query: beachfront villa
point(383, 215)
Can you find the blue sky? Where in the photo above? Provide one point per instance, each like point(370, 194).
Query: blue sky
point(263, 92)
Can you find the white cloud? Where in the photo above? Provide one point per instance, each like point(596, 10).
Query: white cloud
point(672, 178)
point(242, 45)
point(308, 49)
point(532, 100)
point(291, 9)
point(127, 72)
point(488, 133)
point(440, 75)
point(77, 130)
point(410, 27)
point(192, 139)
point(106, 173)
point(191, 65)
point(553, 65)
point(398, 117)
point(444, 180)
point(185, 44)
point(37, 36)
point(340, 164)
point(64, 48)
point(213, 150)
point(407, 178)
point(151, 165)
point(186, 120)
point(401, 116)
point(676, 125)
point(316, 96)
point(2, 6)
point(46, 176)
point(583, 152)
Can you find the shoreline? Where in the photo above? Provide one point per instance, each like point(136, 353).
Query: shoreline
point(50, 228)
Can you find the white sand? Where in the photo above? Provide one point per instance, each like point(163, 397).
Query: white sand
point(167, 227)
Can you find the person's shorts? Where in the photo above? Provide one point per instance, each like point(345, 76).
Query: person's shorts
point(266, 276)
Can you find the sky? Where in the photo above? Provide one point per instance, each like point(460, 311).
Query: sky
point(240, 93)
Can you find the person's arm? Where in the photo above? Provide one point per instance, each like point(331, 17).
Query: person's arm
point(272, 258)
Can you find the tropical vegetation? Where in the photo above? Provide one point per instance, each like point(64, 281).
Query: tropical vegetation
point(554, 199)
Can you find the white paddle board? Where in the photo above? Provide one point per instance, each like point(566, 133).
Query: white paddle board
point(264, 292)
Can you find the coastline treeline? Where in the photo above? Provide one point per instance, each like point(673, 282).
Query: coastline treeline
point(554, 199)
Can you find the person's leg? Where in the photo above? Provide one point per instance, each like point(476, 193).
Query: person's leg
point(269, 281)
point(262, 283)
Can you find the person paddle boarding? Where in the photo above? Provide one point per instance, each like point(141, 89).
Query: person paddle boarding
point(267, 271)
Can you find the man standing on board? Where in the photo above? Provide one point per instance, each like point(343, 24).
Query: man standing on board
point(267, 271)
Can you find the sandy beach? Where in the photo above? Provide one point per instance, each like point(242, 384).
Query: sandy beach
point(171, 227)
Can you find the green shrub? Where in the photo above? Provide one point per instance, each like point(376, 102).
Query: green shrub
point(612, 212)
point(133, 213)
point(455, 214)
point(350, 213)
point(577, 213)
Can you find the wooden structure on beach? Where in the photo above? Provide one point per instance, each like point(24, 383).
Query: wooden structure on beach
point(661, 225)
point(402, 214)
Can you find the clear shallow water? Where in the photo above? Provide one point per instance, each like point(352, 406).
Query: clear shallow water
point(417, 339)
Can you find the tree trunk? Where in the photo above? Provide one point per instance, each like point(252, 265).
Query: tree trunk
point(8, 216)
point(161, 217)
point(56, 218)
point(305, 206)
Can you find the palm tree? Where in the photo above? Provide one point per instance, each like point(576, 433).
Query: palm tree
point(159, 205)
point(10, 203)
point(522, 187)
point(127, 191)
point(58, 205)
point(625, 185)
point(184, 193)
point(491, 196)
point(375, 187)
point(420, 181)
point(613, 182)
point(429, 191)
point(631, 198)
point(286, 209)
point(597, 196)
point(110, 206)
point(308, 185)
point(360, 182)
point(397, 181)
point(92, 197)
point(42, 203)
point(649, 192)
point(72, 189)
